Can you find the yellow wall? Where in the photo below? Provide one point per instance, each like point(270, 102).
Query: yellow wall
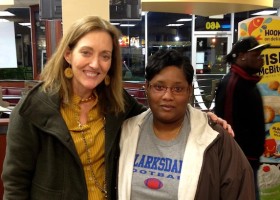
point(75, 9)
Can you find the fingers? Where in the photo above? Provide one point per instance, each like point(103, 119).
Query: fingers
point(230, 130)
point(225, 125)
point(212, 116)
point(222, 122)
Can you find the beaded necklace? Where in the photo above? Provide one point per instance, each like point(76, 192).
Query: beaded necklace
point(93, 178)
point(92, 97)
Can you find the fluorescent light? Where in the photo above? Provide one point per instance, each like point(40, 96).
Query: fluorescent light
point(115, 24)
point(184, 20)
point(127, 25)
point(4, 20)
point(265, 12)
point(6, 13)
point(216, 17)
point(25, 24)
point(174, 24)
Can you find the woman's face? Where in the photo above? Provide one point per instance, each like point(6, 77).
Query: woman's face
point(90, 60)
point(169, 106)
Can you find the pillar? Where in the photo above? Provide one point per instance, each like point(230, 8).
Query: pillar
point(73, 10)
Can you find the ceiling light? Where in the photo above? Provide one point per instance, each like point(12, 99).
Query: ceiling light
point(115, 24)
point(174, 24)
point(4, 20)
point(130, 25)
point(184, 20)
point(265, 12)
point(25, 24)
point(216, 17)
point(6, 13)
point(28, 24)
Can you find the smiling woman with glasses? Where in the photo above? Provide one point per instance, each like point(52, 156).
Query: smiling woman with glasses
point(173, 151)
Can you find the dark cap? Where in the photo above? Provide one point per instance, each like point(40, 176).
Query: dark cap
point(245, 44)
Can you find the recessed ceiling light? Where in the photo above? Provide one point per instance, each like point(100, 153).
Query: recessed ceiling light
point(174, 24)
point(216, 17)
point(25, 24)
point(184, 20)
point(6, 14)
point(127, 25)
point(115, 24)
point(265, 12)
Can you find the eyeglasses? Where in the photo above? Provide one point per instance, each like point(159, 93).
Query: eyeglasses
point(161, 89)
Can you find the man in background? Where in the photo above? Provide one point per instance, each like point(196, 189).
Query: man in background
point(239, 101)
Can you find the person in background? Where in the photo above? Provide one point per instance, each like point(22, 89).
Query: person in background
point(63, 137)
point(238, 99)
point(174, 151)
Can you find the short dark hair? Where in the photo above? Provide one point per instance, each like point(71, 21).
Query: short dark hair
point(165, 58)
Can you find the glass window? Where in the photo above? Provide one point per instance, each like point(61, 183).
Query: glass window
point(132, 44)
point(169, 31)
point(210, 52)
point(163, 33)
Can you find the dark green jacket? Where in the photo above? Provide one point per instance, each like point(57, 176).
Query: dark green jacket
point(41, 160)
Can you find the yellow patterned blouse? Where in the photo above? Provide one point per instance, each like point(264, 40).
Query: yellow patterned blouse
point(89, 141)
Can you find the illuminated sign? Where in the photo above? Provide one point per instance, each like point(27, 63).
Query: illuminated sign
point(208, 24)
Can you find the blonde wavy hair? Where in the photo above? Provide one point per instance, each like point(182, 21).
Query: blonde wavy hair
point(111, 96)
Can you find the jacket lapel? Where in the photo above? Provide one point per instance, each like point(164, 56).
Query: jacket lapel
point(201, 135)
point(43, 112)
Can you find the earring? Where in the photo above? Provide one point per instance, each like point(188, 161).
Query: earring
point(107, 80)
point(68, 73)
